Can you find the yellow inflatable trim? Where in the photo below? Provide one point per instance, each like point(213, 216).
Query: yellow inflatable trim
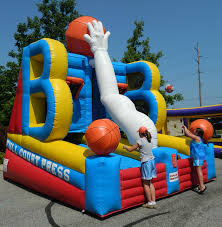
point(119, 150)
point(161, 117)
point(180, 144)
point(134, 154)
point(155, 76)
point(216, 146)
point(62, 152)
point(59, 59)
point(63, 110)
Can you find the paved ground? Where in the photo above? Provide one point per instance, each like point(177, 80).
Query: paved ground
point(21, 207)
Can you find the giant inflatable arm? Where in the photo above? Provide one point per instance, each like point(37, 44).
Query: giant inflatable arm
point(121, 109)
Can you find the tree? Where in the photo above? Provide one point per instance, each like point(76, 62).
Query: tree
point(138, 49)
point(8, 78)
point(53, 22)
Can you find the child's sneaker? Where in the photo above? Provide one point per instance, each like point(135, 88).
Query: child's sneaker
point(150, 205)
point(154, 205)
point(146, 205)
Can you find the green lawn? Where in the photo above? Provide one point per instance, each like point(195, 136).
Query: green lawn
point(1, 157)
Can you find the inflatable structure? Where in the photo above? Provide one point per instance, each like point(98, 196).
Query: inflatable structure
point(63, 99)
point(176, 117)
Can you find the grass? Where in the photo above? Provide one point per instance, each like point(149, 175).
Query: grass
point(1, 157)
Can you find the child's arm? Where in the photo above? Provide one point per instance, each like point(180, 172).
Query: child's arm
point(190, 134)
point(133, 148)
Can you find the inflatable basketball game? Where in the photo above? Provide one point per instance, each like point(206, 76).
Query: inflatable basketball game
point(69, 123)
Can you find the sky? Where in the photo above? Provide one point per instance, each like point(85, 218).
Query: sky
point(173, 26)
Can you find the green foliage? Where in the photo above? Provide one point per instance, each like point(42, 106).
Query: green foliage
point(53, 22)
point(139, 49)
point(1, 157)
point(8, 78)
point(171, 99)
point(3, 138)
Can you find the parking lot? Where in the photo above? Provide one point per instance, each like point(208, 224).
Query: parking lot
point(22, 207)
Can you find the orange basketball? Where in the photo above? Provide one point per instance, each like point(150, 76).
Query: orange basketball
point(205, 125)
point(102, 136)
point(74, 36)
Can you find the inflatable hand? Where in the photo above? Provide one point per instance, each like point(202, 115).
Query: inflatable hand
point(97, 40)
point(120, 108)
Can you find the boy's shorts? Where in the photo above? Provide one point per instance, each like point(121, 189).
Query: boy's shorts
point(148, 170)
point(198, 162)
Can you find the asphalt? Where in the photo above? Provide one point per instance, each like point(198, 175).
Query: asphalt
point(22, 207)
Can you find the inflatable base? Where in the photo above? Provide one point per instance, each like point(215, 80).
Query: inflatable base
point(25, 173)
point(131, 192)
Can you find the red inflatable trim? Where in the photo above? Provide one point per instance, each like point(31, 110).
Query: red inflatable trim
point(122, 88)
point(194, 174)
point(187, 174)
point(184, 172)
point(132, 192)
point(76, 81)
point(160, 183)
point(27, 174)
point(15, 125)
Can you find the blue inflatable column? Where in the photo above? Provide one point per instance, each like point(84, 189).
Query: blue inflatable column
point(102, 184)
point(211, 172)
point(168, 156)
